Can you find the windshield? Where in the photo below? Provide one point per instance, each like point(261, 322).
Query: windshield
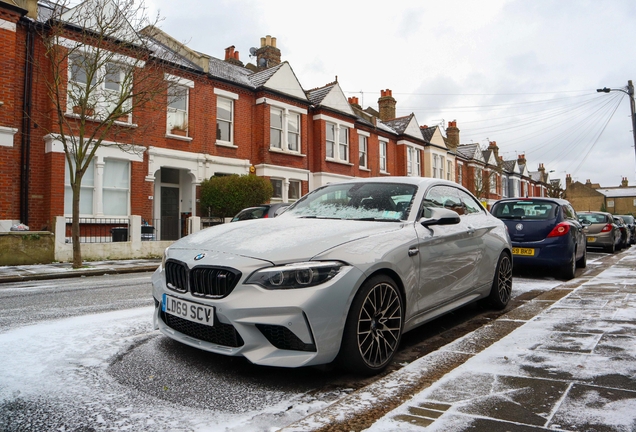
point(525, 209)
point(357, 201)
point(592, 218)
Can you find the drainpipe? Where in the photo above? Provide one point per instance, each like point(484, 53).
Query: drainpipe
point(26, 125)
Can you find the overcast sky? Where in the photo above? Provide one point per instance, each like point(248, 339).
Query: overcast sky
point(521, 73)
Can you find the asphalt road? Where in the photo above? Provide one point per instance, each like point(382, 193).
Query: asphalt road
point(143, 367)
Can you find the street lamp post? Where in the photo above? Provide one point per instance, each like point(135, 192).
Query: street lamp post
point(629, 92)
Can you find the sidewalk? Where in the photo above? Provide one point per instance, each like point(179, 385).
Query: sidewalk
point(65, 270)
point(564, 361)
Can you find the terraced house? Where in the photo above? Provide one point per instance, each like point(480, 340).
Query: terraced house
point(214, 116)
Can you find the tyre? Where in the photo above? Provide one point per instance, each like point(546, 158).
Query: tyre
point(373, 329)
point(612, 248)
point(582, 262)
point(569, 270)
point(502, 283)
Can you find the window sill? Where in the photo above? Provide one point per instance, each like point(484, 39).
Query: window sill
point(279, 151)
point(385, 173)
point(365, 169)
point(339, 161)
point(178, 137)
point(96, 119)
point(226, 144)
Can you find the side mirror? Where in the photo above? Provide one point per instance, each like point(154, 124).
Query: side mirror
point(440, 216)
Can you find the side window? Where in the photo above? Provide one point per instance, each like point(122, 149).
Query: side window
point(441, 197)
point(470, 204)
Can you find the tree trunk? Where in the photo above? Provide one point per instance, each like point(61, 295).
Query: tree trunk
point(75, 225)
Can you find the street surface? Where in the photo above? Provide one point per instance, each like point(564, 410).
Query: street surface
point(81, 354)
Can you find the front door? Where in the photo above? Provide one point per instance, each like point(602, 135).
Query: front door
point(169, 213)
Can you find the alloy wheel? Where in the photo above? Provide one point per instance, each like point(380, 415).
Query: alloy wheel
point(504, 279)
point(379, 325)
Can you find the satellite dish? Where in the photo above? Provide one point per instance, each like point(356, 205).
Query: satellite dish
point(262, 62)
point(252, 51)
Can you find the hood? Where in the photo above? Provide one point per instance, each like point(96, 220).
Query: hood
point(282, 239)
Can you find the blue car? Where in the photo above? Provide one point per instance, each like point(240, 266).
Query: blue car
point(544, 232)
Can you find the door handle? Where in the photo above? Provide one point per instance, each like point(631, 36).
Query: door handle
point(413, 251)
point(471, 229)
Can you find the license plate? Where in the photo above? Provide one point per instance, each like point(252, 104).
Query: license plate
point(591, 239)
point(188, 310)
point(523, 251)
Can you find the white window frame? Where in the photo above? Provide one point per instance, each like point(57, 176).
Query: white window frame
point(460, 173)
point(226, 96)
point(413, 162)
point(299, 185)
point(285, 130)
point(275, 197)
point(341, 129)
point(100, 98)
point(363, 150)
point(504, 186)
point(435, 163)
point(99, 207)
point(383, 157)
point(449, 171)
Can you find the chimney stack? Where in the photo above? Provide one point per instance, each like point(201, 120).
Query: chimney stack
point(568, 180)
point(492, 146)
point(452, 135)
point(353, 100)
point(625, 182)
point(267, 55)
point(232, 56)
point(521, 160)
point(386, 104)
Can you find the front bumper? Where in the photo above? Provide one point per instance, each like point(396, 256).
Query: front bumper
point(288, 328)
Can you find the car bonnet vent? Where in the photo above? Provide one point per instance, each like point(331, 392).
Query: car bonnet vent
point(176, 276)
point(214, 282)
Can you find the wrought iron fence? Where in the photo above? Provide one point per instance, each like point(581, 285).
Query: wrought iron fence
point(100, 230)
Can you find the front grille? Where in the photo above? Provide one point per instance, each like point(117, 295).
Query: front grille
point(283, 338)
point(219, 333)
point(215, 282)
point(201, 281)
point(176, 276)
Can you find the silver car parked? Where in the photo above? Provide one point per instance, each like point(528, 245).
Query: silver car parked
point(341, 275)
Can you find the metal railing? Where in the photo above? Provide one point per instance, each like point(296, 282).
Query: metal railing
point(100, 230)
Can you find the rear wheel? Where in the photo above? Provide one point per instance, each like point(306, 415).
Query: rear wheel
point(502, 283)
point(582, 262)
point(612, 248)
point(569, 271)
point(373, 329)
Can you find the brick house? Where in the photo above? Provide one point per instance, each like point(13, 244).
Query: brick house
point(590, 196)
point(221, 117)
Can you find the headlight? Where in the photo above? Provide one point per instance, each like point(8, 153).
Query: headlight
point(165, 257)
point(296, 275)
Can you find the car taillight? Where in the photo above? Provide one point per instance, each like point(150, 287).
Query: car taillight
point(607, 228)
point(560, 230)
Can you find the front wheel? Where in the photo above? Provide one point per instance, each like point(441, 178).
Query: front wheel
point(502, 283)
point(373, 329)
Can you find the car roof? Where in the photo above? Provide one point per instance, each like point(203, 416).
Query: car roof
point(558, 201)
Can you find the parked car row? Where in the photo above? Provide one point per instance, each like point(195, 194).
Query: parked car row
point(607, 231)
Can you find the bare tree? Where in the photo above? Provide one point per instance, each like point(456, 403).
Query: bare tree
point(104, 74)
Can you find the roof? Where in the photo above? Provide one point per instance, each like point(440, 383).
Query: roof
point(317, 95)
point(618, 192)
point(467, 151)
point(399, 124)
point(428, 132)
